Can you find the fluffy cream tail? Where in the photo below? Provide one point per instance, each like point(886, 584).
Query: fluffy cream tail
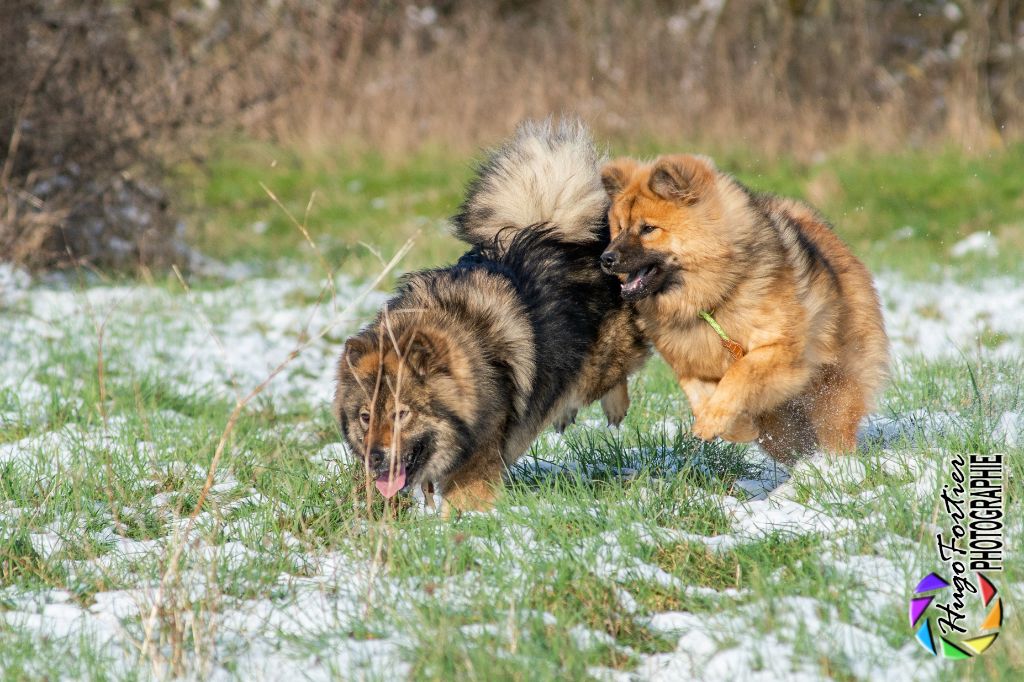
point(545, 175)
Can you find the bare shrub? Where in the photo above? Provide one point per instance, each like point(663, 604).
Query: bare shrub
point(95, 98)
point(799, 76)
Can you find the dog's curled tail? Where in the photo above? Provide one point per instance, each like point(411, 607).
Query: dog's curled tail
point(546, 175)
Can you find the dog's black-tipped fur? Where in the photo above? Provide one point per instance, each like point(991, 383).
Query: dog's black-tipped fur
point(541, 176)
point(478, 357)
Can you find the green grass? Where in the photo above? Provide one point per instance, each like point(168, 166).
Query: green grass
point(598, 534)
point(904, 210)
point(358, 209)
point(496, 596)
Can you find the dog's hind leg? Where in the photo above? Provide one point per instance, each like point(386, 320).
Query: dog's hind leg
point(615, 403)
point(786, 432)
point(836, 408)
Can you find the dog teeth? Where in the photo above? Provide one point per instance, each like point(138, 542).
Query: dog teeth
point(638, 279)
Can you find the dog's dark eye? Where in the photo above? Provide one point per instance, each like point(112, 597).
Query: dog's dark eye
point(364, 417)
point(402, 414)
point(647, 229)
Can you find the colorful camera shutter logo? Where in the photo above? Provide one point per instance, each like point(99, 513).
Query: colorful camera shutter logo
point(971, 644)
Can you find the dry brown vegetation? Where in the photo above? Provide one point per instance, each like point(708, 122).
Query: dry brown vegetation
point(96, 96)
point(797, 76)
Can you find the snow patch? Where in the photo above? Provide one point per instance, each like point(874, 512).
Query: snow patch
point(979, 242)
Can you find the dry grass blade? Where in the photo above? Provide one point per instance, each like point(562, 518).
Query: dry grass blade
point(151, 620)
point(301, 227)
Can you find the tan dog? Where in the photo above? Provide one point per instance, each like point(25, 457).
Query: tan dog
point(801, 312)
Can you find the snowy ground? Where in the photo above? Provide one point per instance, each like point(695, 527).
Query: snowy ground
point(270, 587)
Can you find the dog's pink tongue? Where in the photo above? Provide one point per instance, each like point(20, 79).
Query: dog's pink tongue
point(388, 485)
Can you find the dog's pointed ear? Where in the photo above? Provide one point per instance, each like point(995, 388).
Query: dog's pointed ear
point(355, 348)
point(684, 179)
point(615, 175)
point(426, 351)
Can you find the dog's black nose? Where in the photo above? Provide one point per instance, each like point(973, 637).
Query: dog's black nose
point(377, 459)
point(609, 259)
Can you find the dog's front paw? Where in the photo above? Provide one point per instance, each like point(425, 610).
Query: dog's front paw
point(477, 496)
point(742, 430)
point(564, 421)
point(713, 422)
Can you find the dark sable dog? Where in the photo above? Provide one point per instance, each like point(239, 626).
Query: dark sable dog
point(467, 364)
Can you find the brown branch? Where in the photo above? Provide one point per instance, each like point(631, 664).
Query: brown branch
point(37, 81)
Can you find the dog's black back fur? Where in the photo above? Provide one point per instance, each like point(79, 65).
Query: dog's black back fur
point(566, 296)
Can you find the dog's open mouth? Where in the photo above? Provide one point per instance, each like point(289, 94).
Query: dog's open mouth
point(638, 282)
point(393, 479)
